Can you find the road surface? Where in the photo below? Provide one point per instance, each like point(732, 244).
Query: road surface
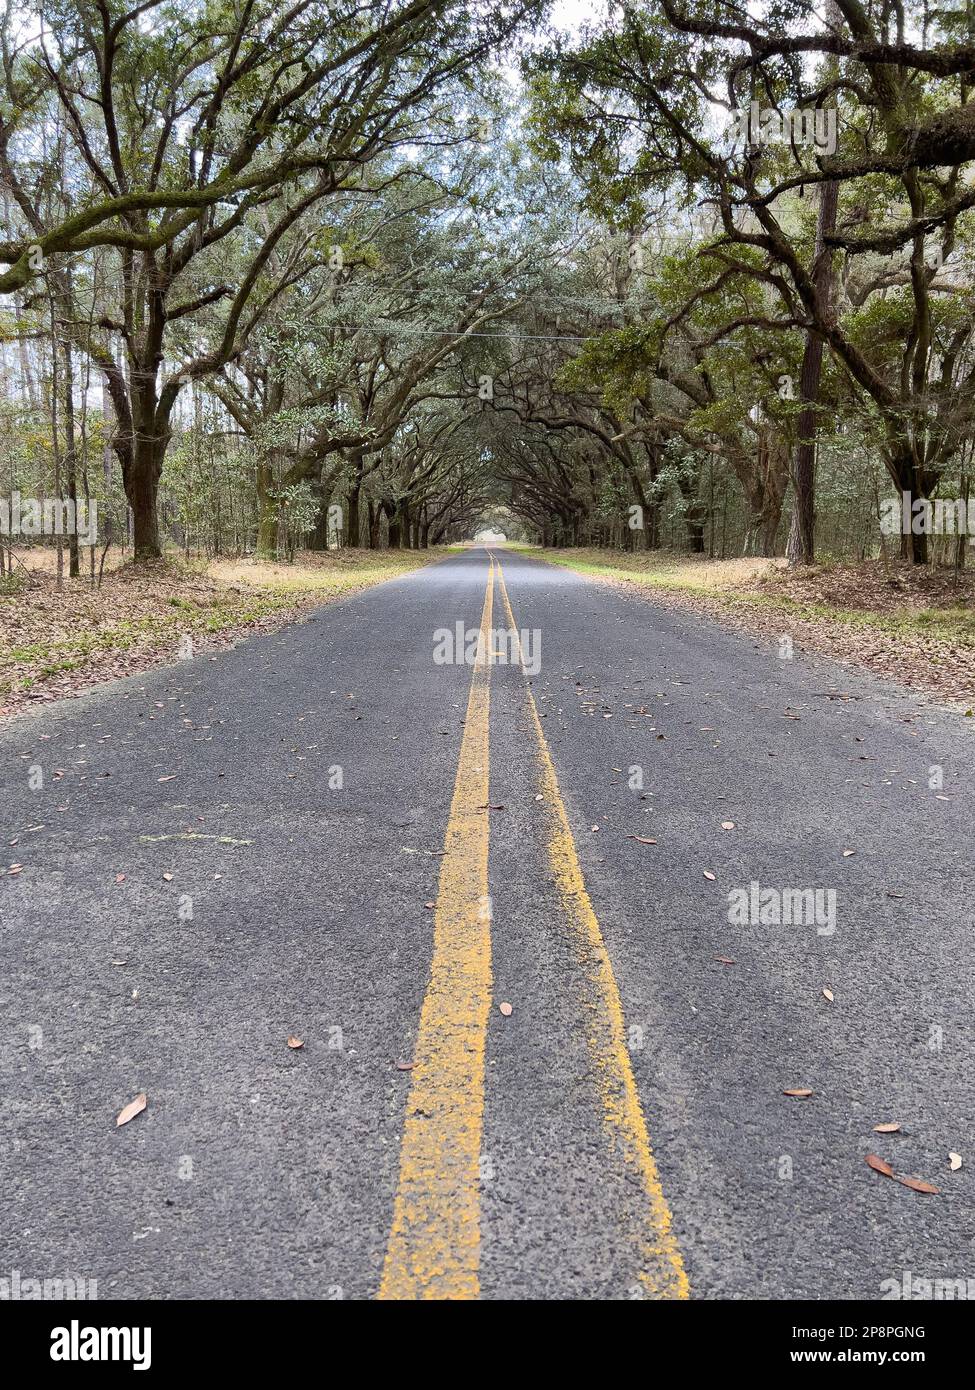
point(333, 834)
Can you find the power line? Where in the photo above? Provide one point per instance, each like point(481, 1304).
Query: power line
point(455, 333)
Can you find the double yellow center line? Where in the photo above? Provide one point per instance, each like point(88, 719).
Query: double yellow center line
point(434, 1243)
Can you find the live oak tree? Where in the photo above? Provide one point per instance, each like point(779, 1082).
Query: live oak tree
point(184, 122)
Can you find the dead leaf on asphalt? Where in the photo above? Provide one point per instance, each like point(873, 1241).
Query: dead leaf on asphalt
point(429, 905)
point(709, 875)
point(724, 960)
point(954, 1161)
point(828, 994)
point(405, 1066)
point(727, 825)
point(505, 1009)
point(642, 839)
point(879, 1166)
point(134, 1107)
point(295, 1043)
point(167, 779)
point(890, 1128)
point(918, 1185)
point(800, 1092)
point(848, 852)
point(168, 878)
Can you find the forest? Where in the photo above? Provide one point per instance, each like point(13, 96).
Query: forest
point(675, 276)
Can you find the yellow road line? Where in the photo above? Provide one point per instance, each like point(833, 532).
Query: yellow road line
point(435, 1238)
point(661, 1273)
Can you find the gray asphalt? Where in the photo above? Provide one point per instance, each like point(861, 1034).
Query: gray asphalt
point(258, 1171)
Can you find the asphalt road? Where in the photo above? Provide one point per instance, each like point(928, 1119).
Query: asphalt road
point(290, 838)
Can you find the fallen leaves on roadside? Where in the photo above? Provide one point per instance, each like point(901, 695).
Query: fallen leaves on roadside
point(405, 1066)
point(828, 993)
point(879, 1166)
point(727, 825)
point(134, 1107)
point(120, 878)
point(429, 905)
point(800, 1092)
point(954, 1162)
point(891, 1128)
point(848, 852)
point(505, 1009)
point(166, 779)
point(642, 839)
point(295, 1043)
point(709, 875)
point(724, 960)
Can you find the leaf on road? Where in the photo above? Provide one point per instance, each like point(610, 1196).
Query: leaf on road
point(879, 1166)
point(724, 960)
point(168, 878)
point(848, 852)
point(170, 778)
point(709, 875)
point(429, 905)
point(890, 1128)
point(405, 1066)
point(642, 839)
point(727, 825)
point(505, 1009)
point(918, 1185)
point(120, 878)
point(800, 1092)
point(294, 1043)
point(828, 994)
point(134, 1107)
point(954, 1161)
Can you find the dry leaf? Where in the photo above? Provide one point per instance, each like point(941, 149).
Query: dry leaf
point(917, 1185)
point(166, 779)
point(848, 852)
point(799, 1091)
point(891, 1128)
point(294, 1043)
point(955, 1161)
point(642, 839)
point(134, 1107)
point(168, 878)
point(879, 1166)
point(505, 1009)
point(727, 825)
point(725, 960)
point(828, 994)
point(120, 878)
point(708, 875)
point(405, 1066)
point(429, 905)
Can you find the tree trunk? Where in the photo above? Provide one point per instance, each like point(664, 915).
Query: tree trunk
point(801, 547)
